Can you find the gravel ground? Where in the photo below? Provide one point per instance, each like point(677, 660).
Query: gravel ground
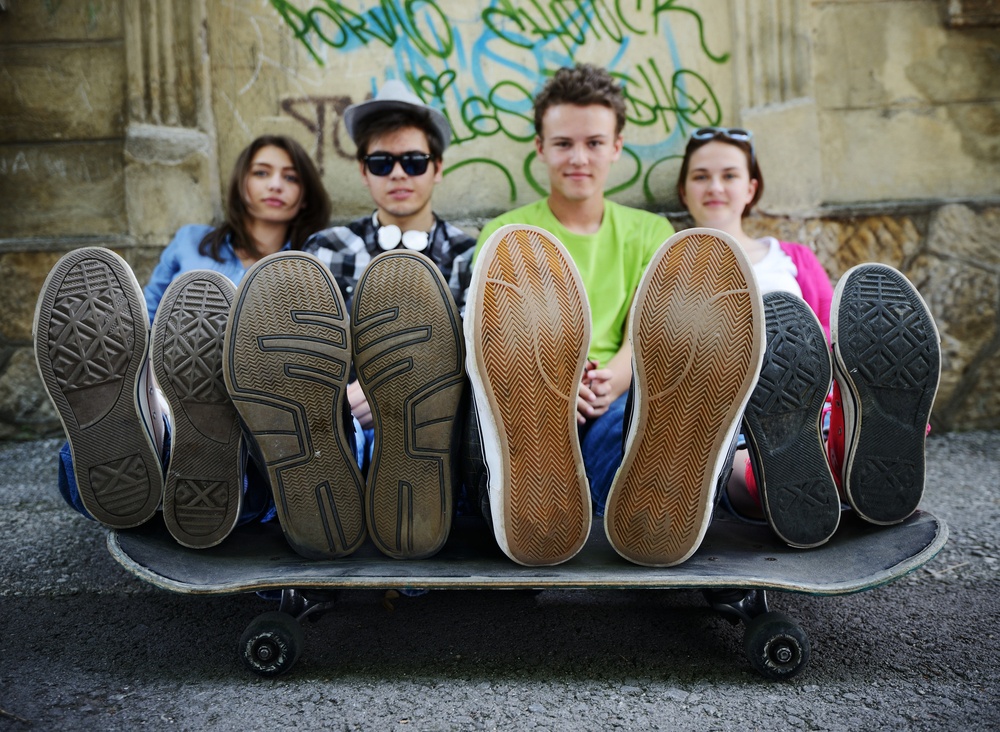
point(89, 647)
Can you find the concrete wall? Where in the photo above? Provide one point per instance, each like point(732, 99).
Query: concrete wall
point(877, 123)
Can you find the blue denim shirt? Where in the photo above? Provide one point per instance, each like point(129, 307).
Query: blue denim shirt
point(182, 255)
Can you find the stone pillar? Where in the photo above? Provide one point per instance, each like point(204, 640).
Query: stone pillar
point(773, 83)
point(171, 171)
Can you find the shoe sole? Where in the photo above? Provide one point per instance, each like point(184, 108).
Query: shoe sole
point(527, 332)
point(887, 360)
point(784, 425)
point(90, 335)
point(697, 335)
point(286, 362)
point(203, 489)
point(409, 358)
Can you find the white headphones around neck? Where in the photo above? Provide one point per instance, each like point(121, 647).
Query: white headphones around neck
point(390, 236)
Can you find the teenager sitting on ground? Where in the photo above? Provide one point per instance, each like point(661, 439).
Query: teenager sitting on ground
point(91, 337)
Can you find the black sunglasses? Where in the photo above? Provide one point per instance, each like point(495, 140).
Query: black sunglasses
point(413, 163)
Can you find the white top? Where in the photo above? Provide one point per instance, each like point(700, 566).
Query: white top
point(776, 272)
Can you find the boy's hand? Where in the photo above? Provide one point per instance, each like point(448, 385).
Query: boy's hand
point(595, 393)
point(359, 405)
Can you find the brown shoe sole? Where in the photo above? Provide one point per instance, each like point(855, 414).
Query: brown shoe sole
point(286, 363)
point(410, 360)
point(697, 334)
point(527, 333)
point(203, 489)
point(90, 333)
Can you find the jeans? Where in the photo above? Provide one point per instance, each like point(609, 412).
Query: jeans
point(601, 443)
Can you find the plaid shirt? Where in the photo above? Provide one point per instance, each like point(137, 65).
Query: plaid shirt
point(347, 250)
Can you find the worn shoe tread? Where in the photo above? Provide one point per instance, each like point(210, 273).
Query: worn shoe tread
point(90, 333)
point(783, 425)
point(527, 336)
point(286, 364)
point(887, 360)
point(203, 489)
point(409, 357)
point(697, 340)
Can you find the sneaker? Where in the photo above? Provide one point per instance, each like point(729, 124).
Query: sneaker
point(887, 365)
point(697, 335)
point(406, 336)
point(286, 363)
point(527, 330)
point(783, 423)
point(91, 333)
point(475, 475)
point(203, 489)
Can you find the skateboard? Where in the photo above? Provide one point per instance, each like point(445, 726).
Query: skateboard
point(735, 567)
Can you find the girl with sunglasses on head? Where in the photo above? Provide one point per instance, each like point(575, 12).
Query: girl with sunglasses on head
point(275, 200)
point(719, 183)
point(876, 414)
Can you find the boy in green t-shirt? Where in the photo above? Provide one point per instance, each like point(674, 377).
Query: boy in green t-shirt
point(575, 278)
point(579, 117)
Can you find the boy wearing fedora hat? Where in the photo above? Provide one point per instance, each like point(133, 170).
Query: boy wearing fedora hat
point(407, 381)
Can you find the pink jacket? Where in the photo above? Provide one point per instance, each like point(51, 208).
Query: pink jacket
point(813, 280)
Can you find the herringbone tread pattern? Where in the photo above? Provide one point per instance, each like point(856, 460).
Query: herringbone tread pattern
point(286, 364)
point(203, 489)
point(783, 425)
point(409, 357)
point(532, 335)
point(90, 336)
point(888, 364)
point(697, 340)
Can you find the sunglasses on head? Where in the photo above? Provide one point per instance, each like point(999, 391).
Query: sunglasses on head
point(737, 134)
point(733, 133)
point(413, 163)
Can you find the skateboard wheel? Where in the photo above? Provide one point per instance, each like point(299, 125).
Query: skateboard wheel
point(271, 644)
point(776, 646)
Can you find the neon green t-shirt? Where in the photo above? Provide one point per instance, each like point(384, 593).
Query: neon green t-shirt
point(611, 262)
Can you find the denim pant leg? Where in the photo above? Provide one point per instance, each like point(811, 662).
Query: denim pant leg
point(601, 442)
point(366, 446)
point(67, 481)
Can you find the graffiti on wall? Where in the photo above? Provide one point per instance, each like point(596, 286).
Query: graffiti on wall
point(482, 70)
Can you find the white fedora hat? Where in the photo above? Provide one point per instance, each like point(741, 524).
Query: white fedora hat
point(395, 95)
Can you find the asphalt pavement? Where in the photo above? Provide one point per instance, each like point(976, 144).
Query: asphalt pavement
point(88, 646)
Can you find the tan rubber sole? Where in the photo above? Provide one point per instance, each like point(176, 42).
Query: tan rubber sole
point(527, 333)
point(91, 335)
point(203, 488)
point(410, 360)
point(286, 362)
point(697, 335)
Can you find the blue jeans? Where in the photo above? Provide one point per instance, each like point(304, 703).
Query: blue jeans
point(601, 442)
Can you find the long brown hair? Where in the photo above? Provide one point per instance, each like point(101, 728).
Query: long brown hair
point(312, 216)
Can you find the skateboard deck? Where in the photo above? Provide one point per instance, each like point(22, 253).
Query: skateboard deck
point(733, 555)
